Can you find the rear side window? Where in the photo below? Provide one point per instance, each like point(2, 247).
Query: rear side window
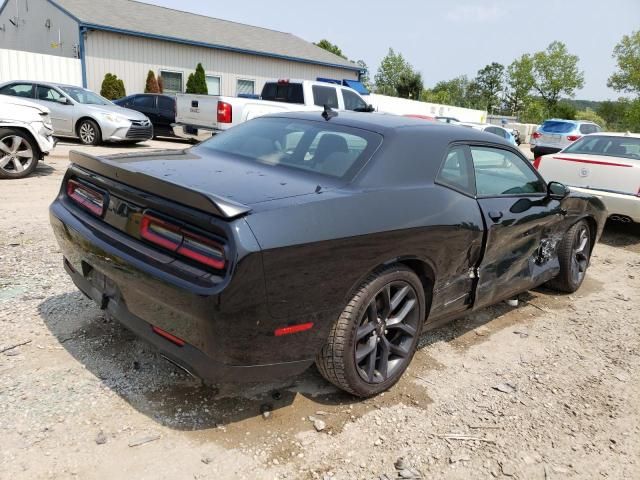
point(325, 96)
point(352, 101)
point(610, 146)
point(496, 131)
point(587, 128)
point(24, 90)
point(144, 101)
point(317, 147)
point(501, 172)
point(166, 103)
point(283, 92)
point(456, 171)
point(556, 126)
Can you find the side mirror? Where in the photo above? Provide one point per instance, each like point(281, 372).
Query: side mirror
point(557, 190)
point(63, 101)
point(371, 108)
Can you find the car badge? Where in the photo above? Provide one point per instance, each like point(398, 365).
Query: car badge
point(584, 172)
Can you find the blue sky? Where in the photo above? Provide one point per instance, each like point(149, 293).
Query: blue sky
point(443, 39)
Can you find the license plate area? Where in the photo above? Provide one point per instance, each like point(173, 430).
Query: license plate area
point(99, 281)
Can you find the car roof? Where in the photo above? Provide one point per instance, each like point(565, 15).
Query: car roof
point(614, 134)
point(383, 123)
point(568, 121)
point(42, 82)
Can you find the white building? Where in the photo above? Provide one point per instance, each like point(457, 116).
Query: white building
point(129, 38)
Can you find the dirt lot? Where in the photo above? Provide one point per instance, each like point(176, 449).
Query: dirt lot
point(548, 390)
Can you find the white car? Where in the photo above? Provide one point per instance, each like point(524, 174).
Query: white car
point(490, 128)
point(26, 136)
point(606, 165)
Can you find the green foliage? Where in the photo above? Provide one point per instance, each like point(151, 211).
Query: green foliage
point(458, 92)
point(330, 47)
point(197, 82)
point(519, 83)
point(533, 111)
point(627, 55)
point(556, 72)
point(489, 83)
point(632, 116)
point(563, 110)
point(152, 83)
point(591, 116)
point(392, 67)
point(410, 85)
point(364, 77)
point(112, 87)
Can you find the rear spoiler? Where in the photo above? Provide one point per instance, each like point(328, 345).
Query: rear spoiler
point(112, 169)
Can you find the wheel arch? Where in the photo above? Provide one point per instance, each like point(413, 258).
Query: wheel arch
point(27, 133)
point(81, 119)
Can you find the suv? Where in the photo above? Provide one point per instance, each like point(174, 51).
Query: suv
point(161, 110)
point(555, 134)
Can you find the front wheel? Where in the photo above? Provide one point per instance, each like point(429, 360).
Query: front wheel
point(374, 339)
point(574, 252)
point(89, 132)
point(18, 154)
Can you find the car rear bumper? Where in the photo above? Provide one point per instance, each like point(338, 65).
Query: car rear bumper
point(618, 204)
point(192, 133)
point(223, 342)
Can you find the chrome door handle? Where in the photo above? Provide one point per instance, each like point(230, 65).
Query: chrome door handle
point(495, 216)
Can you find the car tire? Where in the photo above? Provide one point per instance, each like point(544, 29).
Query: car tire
point(384, 317)
point(89, 132)
point(19, 153)
point(574, 252)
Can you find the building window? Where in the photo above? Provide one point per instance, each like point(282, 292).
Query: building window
point(246, 87)
point(171, 81)
point(213, 85)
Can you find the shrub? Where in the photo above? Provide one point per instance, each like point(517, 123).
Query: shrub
point(112, 87)
point(152, 83)
point(160, 84)
point(591, 116)
point(197, 82)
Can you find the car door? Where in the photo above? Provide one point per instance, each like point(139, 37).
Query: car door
point(166, 114)
point(22, 90)
point(61, 108)
point(522, 224)
point(146, 104)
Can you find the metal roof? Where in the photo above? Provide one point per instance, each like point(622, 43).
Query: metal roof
point(141, 19)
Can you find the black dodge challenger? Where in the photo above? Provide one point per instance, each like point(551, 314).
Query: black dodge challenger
point(297, 238)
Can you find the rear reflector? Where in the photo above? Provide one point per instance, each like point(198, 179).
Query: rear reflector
point(88, 198)
point(168, 336)
point(280, 332)
point(224, 112)
point(184, 242)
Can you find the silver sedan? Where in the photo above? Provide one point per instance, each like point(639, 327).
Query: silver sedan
point(80, 113)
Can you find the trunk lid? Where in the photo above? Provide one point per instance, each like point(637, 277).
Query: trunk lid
point(598, 172)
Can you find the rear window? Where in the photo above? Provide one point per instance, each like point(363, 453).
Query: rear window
point(555, 126)
point(283, 92)
point(609, 146)
point(316, 147)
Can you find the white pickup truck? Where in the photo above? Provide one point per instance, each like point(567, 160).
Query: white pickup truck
point(198, 117)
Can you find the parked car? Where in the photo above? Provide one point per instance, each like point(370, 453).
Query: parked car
point(606, 165)
point(490, 128)
point(200, 116)
point(302, 237)
point(159, 108)
point(80, 113)
point(26, 136)
point(555, 134)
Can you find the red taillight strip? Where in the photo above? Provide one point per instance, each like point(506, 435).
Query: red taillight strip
point(168, 336)
point(146, 231)
point(293, 329)
point(536, 163)
point(594, 162)
point(86, 197)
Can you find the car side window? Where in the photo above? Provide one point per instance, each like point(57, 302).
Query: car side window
point(24, 90)
point(456, 171)
point(144, 101)
point(501, 172)
point(166, 103)
point(48, 94)
point(352, 101)
point(325, 96)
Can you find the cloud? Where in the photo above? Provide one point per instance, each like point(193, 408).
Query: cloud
point(486, 13)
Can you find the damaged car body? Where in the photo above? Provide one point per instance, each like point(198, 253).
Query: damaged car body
point(296, 238)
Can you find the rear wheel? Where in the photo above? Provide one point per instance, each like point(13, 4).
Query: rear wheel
point(18, 154)
point(574, 252)
point(374, 339)
point(89, 132)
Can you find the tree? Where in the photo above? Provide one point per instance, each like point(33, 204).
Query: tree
point(197, 82)
point(152, 83)
point(519, 83)
point(392, 66)
point(613, 113)
point(160, 84)
point(564, 110)
point(591, 116)
point(330, 47)
point(627, 55)
point(410, 85)
point(556, 72)
point(364, 74)
point(112, 87)
point(490, 83)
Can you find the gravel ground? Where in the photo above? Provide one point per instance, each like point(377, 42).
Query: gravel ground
point(546, 390)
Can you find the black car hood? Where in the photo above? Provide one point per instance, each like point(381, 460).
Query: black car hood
point(240, 180)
